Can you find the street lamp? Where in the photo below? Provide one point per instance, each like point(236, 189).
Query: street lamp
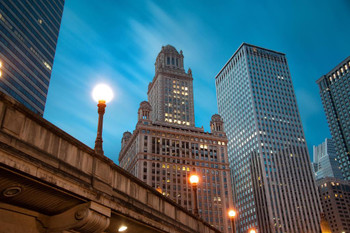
point(0, 68)
point(102, 94)
point(194, 179)
point(252, 231)
point(232, 214)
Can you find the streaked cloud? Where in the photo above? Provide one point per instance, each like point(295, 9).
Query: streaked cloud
point(117, 43)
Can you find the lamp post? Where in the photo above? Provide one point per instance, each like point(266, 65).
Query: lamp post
point(0, 68)
point(101, 94)
point(194, 179)
point(232, 215)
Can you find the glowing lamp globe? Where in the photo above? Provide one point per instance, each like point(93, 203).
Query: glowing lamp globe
point(252, 231)
point(102, 93)
point(232, 213)
point(122, 228)
point(194, 179)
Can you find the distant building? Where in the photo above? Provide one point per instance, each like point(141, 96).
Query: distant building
point(335, 95)
point(166, 147)
point(325, 161)
point(28, 37)
point(335, 201)
point(274, 189)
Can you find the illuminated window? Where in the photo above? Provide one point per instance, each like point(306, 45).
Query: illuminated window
point(47, 65)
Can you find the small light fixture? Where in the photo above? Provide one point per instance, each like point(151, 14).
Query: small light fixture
point(232, 213)
point(12, 191)
point(252, 231)
point(122, 228)
point(102, 93)
point(194, 179)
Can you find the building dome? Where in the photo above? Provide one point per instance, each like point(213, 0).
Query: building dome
point(169, 49)
point(145, 106)
point(144, 111)
point(216, 123)
point(126, 134)
point(216, 118)
point(170, 59)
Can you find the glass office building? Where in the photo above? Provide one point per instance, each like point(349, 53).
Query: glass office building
point(28, 37)
point(274, 189)
point(325, 161)
point(335, 95)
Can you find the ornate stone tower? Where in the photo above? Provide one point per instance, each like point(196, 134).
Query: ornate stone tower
point(166, 148)
point(144, 111)
point(171, 91)
point(126, 136)
point(216, 124)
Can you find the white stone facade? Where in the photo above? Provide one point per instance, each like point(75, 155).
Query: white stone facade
point(166, 147)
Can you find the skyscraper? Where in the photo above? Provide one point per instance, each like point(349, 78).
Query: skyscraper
point(325, 161)
point(166, 147)
point(28, 37)
point(171, 91)
point(335, 201)
point(274, 189)
point(335, 95)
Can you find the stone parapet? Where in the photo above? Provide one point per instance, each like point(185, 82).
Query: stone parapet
point(57, 177)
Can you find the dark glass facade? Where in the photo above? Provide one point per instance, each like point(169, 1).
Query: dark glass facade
point(335, 95)
point(28, 37)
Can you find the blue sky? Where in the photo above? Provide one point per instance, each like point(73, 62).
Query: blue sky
point(116, 42)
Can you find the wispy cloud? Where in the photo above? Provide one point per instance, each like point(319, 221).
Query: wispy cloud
point(117, 43)
point(164, 28)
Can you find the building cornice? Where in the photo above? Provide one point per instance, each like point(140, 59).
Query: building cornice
point(240, 47)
